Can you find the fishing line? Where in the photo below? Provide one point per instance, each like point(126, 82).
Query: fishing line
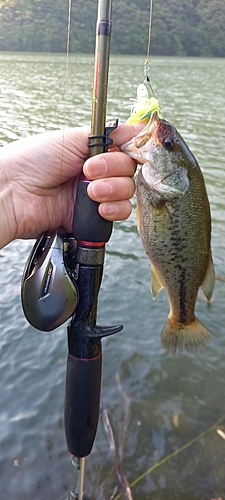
point(67, 53)
point(149, 29)
point(168, 457)
point(66, 85)
point(144, 105)
point(146, 67)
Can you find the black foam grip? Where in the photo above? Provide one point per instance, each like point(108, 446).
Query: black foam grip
point(88, 225)
point(82, 399)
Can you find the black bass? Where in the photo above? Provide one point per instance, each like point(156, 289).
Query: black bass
point(173, 218)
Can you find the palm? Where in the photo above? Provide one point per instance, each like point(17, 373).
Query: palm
point(48, 194)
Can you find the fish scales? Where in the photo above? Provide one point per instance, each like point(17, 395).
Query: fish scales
point(175, 226)
point(170, 237)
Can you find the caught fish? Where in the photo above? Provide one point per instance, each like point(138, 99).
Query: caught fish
point(173, 219)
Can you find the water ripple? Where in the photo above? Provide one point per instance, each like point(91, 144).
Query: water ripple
point(33, 459)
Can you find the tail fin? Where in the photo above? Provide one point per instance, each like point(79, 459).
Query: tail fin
point(179, 337)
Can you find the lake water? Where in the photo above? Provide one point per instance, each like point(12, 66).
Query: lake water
point(173, 398)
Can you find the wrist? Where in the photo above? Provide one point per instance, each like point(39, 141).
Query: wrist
point(7, 220)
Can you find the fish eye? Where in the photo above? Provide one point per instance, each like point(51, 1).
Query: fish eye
point(168, 143)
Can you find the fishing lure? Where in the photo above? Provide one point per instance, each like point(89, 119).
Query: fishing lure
point(144, 106)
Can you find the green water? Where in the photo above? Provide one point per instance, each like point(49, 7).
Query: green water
point(173, 398)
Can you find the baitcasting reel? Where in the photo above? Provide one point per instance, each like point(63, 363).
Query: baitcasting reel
point(49, 291)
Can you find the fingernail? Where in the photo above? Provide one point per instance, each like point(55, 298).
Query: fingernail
point(95, 167)
point(101, 189)
point(109, 209)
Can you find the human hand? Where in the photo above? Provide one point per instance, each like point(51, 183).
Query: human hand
point(39, 175)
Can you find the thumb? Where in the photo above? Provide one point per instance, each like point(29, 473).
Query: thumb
point(126, 131)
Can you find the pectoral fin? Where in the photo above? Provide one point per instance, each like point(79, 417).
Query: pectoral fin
point(138, 218)
point(208, 283)
point(156, 285)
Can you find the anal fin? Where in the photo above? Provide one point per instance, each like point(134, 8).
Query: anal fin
point(156, 284)
point(208, 283)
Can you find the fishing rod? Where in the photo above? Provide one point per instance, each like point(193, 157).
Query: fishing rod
point(62, 279)
point(92, 232)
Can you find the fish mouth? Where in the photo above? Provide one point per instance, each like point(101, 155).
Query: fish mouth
point(133, 147)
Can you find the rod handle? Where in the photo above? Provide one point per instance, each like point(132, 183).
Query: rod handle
point(82, 399)
point(88, 225)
